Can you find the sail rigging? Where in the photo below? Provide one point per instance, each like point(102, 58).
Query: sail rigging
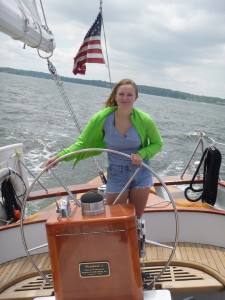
point(21, 20)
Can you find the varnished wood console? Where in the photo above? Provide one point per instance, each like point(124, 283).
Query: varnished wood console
point(95, 257)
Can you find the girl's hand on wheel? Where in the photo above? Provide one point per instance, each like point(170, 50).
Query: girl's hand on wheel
point(50, 160)
point(136, 159)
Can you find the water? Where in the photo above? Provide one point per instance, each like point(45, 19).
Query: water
point(33, 112)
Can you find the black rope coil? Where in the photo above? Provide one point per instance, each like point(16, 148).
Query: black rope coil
point(10, 199)
point(212, 161)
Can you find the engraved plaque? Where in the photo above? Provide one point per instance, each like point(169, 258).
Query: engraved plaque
point(94, 269)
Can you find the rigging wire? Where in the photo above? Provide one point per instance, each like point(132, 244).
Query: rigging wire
point(59, 84)
point(42, 8)
point(215, 142)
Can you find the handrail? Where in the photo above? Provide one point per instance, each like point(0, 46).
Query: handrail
point(203, 144)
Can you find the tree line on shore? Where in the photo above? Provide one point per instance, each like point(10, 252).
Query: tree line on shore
point(162, 92)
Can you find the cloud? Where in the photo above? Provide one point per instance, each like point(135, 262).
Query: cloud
point(173, 44)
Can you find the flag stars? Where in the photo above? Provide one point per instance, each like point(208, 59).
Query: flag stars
point(90, 50)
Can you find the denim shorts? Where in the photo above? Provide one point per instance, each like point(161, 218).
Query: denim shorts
point(119, 175)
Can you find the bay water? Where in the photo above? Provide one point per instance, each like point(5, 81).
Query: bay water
point(33, 112)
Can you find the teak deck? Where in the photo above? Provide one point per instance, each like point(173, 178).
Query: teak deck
point(194, 266)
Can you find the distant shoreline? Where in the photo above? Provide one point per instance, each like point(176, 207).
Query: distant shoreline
point(141, 88)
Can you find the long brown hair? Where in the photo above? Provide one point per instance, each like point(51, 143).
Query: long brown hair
point(111, 101)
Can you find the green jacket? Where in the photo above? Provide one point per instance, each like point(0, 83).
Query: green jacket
point(93, 134)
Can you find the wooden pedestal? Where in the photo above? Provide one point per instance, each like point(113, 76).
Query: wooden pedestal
point(95, 257)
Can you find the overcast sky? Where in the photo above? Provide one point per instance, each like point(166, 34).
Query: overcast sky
point(174, 44)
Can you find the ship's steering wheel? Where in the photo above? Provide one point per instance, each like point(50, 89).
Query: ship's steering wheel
point(28, 251)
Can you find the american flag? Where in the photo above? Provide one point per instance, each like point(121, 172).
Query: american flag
point(90, 51)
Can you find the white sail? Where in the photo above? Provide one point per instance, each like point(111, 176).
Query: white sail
point(20, 20)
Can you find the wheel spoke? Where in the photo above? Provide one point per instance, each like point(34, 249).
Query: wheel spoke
point(158, 244)
point(38, 247)
point(66, 188)
point(136, 171)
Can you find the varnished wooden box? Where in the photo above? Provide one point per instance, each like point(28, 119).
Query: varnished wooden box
point(95, 257)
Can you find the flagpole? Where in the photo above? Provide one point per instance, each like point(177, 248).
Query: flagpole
point(107, 57)
point(100, 7)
